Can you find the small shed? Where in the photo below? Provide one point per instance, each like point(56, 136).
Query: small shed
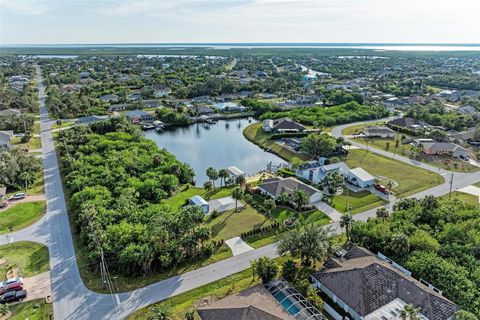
point(199, 201)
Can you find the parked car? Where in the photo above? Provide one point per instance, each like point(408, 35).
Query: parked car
point(381, 188)
point(13, 296)
point(3, 204)
point(16, 286)
point(18, 196)
point(10, 281)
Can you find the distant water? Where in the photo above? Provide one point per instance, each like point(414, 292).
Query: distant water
point(178, 46)
point(220, 146)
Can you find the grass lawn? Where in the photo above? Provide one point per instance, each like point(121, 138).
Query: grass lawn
point(32, 310)
point(29, 258)
point(36, 128)
point(408, 151)
point(213, 291)
point(466, 197)
point(357, 201)
point(410, 179)
point(180, 198)
point(33, 143)
point(477, 184)
point(63, 125)
point(21, 215)
point(255, 134)
point(35, 189)
point(231, 224)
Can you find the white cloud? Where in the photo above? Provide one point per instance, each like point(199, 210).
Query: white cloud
point(27, 7)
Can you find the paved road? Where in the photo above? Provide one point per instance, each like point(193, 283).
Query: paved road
point(72, 300)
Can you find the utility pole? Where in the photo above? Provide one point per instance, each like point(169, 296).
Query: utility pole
point(451, 186)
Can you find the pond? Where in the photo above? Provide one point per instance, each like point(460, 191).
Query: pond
point(219, 145)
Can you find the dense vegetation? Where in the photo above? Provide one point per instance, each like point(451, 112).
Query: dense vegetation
point(438, 240)
point(437, 115)
point(18, 169)
point(118, 181)
point(321, 116)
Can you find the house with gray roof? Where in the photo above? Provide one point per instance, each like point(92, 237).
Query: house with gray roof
point(5, 138)
point(444, 149)
point(275, 187)
point(8, 113)
point(378, 131)
point(110, 98)
point(137, 116)
point(371, 287)
point(282, 125)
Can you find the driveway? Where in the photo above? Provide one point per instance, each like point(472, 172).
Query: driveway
point(238, 246)
point(333, 214)
point(40, 197)
point(38, 287)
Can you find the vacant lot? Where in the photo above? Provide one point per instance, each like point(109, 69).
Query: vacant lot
point(21, 215)
point(410, 179)
point(255, 134)
point(357, 201)
point(32, 310)
point(28, 258)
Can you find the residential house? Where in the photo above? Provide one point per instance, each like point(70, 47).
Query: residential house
point(200, 202)
point(135, 96)
point(275, 187)
point(465, 137)
point(274, 301)
point(420, 141)
point(229, 107)
point(9, 113)
point(5, 138)
point(150, 103)
point(137, 116)
point(203, 110)
point(315, 172)
point(371, 287)
point(240, 73)
point(161, 90)
point(444, 149)
point(408, 123)
point(261, 75)
point(282, 125)
point(84, 75)
point(449, 95)
point(380, 132)
point(119, 107)
point(110, 98)
point(234, 172)
point(467, 110)
point(90, 119)
point(202, 99)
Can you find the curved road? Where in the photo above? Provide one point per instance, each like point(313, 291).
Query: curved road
point(72, 300)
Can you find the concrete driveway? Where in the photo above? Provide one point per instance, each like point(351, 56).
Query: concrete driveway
point(238, 246)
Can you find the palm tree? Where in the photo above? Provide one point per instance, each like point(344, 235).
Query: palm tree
point(409, 312)
point(161, 312)
point(269, 205)
point(300, 198)
point(212, 175)
point(207, 186)
point(237, 194)
point(346, 222)
point(311, 244)
point(389, 185)
point(399, 245)
point(223, 175)
point(240, 180)
point(265, 268)
point(382, 213)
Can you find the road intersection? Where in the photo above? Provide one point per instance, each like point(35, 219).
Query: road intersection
point(72, 300)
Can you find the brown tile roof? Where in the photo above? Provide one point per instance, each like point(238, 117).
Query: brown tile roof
point(366, 283)
point(255, 303)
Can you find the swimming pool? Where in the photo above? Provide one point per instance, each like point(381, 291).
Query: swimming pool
point(286, 303)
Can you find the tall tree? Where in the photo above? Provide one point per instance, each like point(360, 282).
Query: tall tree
point(311, 244)
point(265, 268)
point(223, 175)
point(318, 144)
point(300, 198)
point(237, 194)
point(269, 205)
point(212, 175)
point(382, 213)
point(346, 223)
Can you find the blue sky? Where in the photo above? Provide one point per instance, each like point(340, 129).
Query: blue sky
point(163, 21)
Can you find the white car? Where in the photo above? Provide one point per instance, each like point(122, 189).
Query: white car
point(18, 196)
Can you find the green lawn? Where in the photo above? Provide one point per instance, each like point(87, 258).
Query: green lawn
point(213, 291)
point(21, 215)
point(33, 143)
point(231, 224)
point(29, 258)
point(357, 201)
point(410, 179)
point(181, 197)
point(32, 310)
point(63, 125)
point(255, 134)
point(409, 151)
point(359, 128)
point(466, 197)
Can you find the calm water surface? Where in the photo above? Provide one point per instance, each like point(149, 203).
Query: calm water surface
point(219, 146)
